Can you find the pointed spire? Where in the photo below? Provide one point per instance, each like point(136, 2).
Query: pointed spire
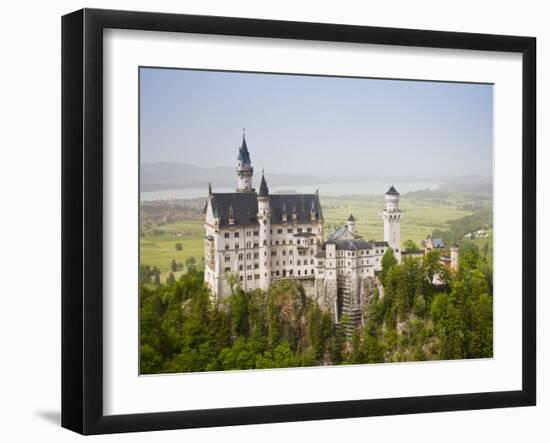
point(244, 155)
point(392, 191)
point(351, 218)
point(264, 190)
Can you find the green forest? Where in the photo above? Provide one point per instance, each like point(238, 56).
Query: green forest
point(184, 330)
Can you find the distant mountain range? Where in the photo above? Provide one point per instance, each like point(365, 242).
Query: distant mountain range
point(160, 176)
point(171, 175)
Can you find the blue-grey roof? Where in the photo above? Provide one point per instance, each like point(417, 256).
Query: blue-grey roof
point(264, 190)
point(244, 155)
point(392, 191)
point(338, 232)
point(351, 218)
point(352, 245)
point(244, 206)
point(438, 243)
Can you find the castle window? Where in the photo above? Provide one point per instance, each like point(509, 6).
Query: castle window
point(273, 253)
point(240, 256)
point(299, 262)
point(236, 235)
point(227, 269)
point(276, 242)
point(256, 245)
point(256, 233)
point(249, 277)
point(284, 252)
point(227, 258)
point(310, 241)
point(256, 276)
point(240, 267)
point(256, 266)
point(305, 271)
point(236, 246)
point(284, 242)
point(308, 229)
point(256, 255)
point(299, 230)
point(248, 256)
point(226, 235)
point(241, 278)
point(277, 272)
point(248, 267)
point(298, 272)
point(289, 230)
point(279, 231)
point(271, 231)
point(298, 241)
point(226, 246)
point(248, 233)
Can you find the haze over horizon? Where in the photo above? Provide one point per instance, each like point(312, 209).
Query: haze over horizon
point(317, 126)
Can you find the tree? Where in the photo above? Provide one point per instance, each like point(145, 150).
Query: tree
point(388, 262)
point(179, 247)
point(410, 246)
point(190, 262)
point(232, 279)
point(170, 280)
point(431, 264)
point(174, 266)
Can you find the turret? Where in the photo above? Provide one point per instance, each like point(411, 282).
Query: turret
point(264, 220)
point(392, 221)
point(244, 168)
point(392, 200)
point(455, 257)
point(351, 224)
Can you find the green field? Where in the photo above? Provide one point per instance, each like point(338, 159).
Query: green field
point(159, 249)
point(420, 218)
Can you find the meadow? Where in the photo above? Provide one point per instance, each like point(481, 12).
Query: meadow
point(420, 217)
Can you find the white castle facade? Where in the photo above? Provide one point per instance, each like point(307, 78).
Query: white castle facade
point(255, 238)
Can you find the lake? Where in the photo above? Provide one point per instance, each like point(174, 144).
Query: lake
point(325, 189)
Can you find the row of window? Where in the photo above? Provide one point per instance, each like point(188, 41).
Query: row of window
point(236, 234)
point(227, 259)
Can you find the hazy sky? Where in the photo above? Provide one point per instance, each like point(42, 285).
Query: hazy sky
point(317, 125)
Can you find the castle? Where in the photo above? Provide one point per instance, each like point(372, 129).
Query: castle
point(255, 238)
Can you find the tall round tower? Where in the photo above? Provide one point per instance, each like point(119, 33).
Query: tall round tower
point(455, 256)
point(264, 220)
point(392, 221)
point(244, 169)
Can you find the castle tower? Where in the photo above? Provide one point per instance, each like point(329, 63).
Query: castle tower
point(351, 224)
point(392, 222)
point(455, 256)
point(264, 220)
point(244, 169)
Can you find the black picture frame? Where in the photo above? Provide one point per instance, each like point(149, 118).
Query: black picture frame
point(82, 219)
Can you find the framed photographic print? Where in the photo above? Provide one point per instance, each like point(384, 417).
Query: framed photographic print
point(269, 221)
